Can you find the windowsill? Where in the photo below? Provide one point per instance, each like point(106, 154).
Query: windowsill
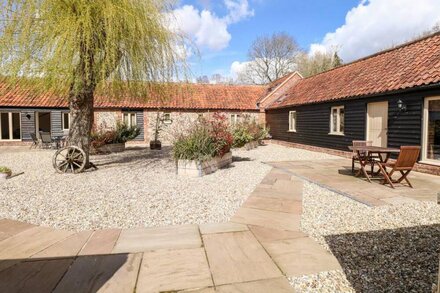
point(429, 162)
point(336, 133)
point(6, 140)
point(291, 130)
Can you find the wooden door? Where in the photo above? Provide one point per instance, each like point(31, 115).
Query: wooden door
point(377, 123)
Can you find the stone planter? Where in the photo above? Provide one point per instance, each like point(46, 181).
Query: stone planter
point(109, 148)
point(251, 145)
point(198, 169)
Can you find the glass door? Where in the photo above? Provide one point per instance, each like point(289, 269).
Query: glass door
point(431, 133)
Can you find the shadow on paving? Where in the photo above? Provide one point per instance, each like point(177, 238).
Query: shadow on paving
point(395, 260)
point(71, 274)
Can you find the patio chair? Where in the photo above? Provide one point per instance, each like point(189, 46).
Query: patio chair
point(355, 157)
point(46, 139)
point(35, 141)
point(404, 164)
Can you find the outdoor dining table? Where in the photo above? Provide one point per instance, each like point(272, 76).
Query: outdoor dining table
point(372, 155)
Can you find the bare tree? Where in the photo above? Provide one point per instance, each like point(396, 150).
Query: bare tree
point(270, 57)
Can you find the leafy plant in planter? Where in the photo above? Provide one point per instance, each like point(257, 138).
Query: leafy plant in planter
point(5, 172)
point(121, 134)
point(247, 131)
point(156, 144)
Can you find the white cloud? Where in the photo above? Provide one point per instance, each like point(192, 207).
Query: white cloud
point(375, 25)
point(237, 68)
point(207, 29)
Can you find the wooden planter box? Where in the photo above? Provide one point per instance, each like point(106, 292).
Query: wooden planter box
point(198, 169)
point(109, 148)
point(251, 145)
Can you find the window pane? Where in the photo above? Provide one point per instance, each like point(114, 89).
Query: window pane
point(433, 145)
point(341, 120)
point(133, 120)
point(4, 121)
point(126, 119)
point(65, 120)
point(16, 131)
point(334, 120)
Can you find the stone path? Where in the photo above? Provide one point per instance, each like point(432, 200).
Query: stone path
point(253, 253)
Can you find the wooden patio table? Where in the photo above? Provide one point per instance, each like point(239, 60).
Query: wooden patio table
point(368, 154)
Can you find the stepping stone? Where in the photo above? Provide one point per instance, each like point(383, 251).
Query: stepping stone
point(101, 242)
point(287, 185)
point(34, 276)
point(273, 193)
point(238, 257)
point(222, 228)
point(269, 219)
point(12, 227)
point(103, 273)
point(274, 204)
point(67, 247)
point(301, 256)
point(172, 270)
point(30, 241)
point(264, 234)
point(147, 239)
point(279, 285)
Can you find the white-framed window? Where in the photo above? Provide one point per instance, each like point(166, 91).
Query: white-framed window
point(66, 120)
point(235, 118)
point(10, 126)
point(166, 118)
point(292, 121)
point(431, 131)
point(337, 118)
point(129, 119)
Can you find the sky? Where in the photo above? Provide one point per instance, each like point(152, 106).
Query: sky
point(223, 30)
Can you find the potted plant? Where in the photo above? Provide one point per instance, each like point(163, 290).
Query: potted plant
point(113, 141)
point(156, 143)
point(5, 172)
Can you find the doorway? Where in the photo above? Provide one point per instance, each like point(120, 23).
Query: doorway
point(42, 122)
point(377, 123)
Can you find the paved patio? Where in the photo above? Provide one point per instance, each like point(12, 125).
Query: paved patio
point(254, 252)
point(336, 175)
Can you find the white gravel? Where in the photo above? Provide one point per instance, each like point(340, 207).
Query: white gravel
point(131, 189)
point(381, 249)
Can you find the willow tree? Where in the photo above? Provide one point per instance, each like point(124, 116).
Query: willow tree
point(76, 49)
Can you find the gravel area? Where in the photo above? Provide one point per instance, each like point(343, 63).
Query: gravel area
point(380, 249)
point(135, 188)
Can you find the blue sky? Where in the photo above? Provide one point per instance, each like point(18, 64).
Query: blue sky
point(223, 30)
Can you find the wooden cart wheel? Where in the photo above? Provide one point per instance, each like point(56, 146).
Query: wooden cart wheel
point(69, 159)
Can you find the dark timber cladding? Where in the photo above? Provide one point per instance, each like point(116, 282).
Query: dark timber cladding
point(313, 121)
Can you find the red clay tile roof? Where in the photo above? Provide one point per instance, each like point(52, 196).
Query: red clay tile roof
point(407, 66)
point(190, 96)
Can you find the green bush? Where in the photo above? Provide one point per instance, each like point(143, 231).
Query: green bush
point(121, 134)
point(246, 131)
point(5, 170)
point(241, 136)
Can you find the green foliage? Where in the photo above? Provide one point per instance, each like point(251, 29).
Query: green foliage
point(5, 170)
point(121, 134)
point(248, 130)
point(109, 46)
point(205, 139)
point(317, 63)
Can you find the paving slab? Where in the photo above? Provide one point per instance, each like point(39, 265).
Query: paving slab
point(101, 242)
point(173, 270)
point(222, 228)
point(279, 285)
point(12, 227)
point(295, 194)
point(147, 239)
point(103, 273)
point(287, 185)
point(30, 241)
point(269, 219)
point(301, 256)
point(264, 234)
point(274, 204)
point(238, 257)
point(204, 290)
point(67, 247)
point(3, 236)
point(33, 276)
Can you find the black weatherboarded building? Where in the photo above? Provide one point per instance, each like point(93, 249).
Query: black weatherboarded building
point(391, 98)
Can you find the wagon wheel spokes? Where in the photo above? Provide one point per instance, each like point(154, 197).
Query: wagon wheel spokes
point(70, 159)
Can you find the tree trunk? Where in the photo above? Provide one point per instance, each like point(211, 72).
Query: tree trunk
point(81, 119)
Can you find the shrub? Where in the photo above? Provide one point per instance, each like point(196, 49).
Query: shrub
point(5, 170)
point(121, 134)
point(205, 139)
point(248, 130)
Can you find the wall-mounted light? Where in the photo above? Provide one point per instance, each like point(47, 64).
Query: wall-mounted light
point(28, 116)
point(401, 106)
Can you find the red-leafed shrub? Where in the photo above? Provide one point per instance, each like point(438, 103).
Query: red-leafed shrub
point(223, 138)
